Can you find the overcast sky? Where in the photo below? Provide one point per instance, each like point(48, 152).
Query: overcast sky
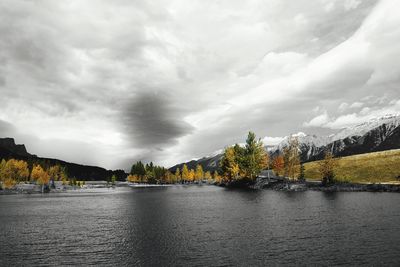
point(110, 82)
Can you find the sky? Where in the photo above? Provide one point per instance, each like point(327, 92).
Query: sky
point(111, 82)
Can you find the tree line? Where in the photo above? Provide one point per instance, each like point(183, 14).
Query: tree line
point(150, 173)
point(15, 171)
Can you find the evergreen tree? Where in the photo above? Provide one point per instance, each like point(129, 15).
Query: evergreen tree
point(138, 169)
point(255, 158)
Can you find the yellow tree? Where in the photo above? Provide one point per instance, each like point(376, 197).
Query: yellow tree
point(178, 175)
point(199, 174)
point(64, 178)
point(208, 176)
point(229, 164)
point(40, 176)
point(133, 178)
point(291, 157)
point(169, 177)
point(191, 175)
point(185, 173)
point(326, 168)
point(217, 177)
point(16, 170)
point(55, 173)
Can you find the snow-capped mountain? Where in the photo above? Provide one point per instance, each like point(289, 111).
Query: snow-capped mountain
point(374, 135)
point(377, 134)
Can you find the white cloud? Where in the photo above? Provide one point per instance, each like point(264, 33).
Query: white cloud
point(351, 4)
point(343, 106)
point(268, 140)
point(356, 105)
point(318, 121)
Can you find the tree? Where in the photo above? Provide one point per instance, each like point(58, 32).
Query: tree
point(230, 164)
point(150, 177)
point(291, 157)
point(3, 163)
point(64, 178)
point(185, 173)
point(55, 173)
point(169, 177)
point(301, 174)
point(16, 170)
point(138, 169)
point(40, 176)
point(133, 178)
point(278, 165)
point(208, 176)
point(2, 170)
point(326, 168)
point(217, 177)
point(199, 174)
point(191, 175)
point(178, 174)
point(255, 158)
point(113, 179)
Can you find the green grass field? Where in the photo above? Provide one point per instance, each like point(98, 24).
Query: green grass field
point(376, 167)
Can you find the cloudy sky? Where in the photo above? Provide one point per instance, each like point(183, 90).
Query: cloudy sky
point(110, 82)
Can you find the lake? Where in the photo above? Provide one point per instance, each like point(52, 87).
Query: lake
point(199, 226)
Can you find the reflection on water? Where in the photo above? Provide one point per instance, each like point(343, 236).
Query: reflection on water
point(199, 225)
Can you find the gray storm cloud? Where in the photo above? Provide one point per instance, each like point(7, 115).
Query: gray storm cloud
point(152, 121)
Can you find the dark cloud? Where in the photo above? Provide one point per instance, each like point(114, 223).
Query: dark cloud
point(151, 120)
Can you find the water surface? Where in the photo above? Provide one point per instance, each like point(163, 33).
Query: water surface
point(199, 226)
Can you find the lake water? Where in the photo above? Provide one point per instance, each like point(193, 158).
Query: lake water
point(199, 226)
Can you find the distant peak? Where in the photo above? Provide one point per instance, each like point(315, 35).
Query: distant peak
point(299, 134)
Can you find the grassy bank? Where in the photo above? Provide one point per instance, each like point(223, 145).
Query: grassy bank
point(376, 167)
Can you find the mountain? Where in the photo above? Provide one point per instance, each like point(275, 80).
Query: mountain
point(374, 135)
point(210, 163)
point(8, 149)
point(377, 134)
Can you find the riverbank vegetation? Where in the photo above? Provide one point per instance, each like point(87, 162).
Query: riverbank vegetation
point(153, 174)
point(244, 163)
point(15, 171)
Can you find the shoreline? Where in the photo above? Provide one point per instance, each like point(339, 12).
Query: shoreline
point(286, 186)
point(297, 186)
